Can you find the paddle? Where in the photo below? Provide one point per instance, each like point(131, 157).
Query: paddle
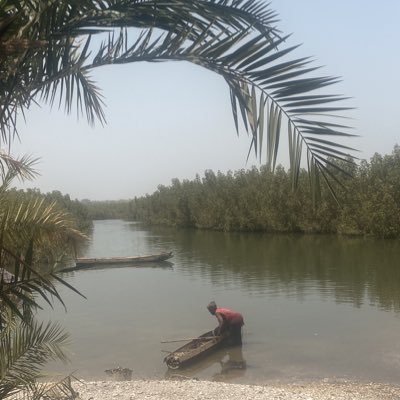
point(189, 339)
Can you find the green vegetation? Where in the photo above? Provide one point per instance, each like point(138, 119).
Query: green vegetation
point(259, 200)
point(77, 209)
point(109, 209)
point(36, 233)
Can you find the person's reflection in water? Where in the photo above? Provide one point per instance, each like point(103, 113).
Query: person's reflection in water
point(229, 363)
point(233, 365)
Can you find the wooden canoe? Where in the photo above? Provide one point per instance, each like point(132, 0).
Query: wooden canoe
point(194, 350)
point(88, 262)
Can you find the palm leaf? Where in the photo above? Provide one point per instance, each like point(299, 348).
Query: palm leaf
point(25, 350)
point(295, 151)
point(29, 223)
point(236, 39)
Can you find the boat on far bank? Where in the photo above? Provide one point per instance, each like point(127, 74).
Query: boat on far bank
point(81, 263)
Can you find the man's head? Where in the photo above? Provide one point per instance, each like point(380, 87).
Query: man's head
point(212, 307)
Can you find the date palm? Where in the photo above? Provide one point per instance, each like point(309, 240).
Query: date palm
point(48, 54)
point(24, 350)
point(32, 231)
point(30, 227)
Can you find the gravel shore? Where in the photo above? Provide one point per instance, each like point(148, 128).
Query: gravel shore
point(200, 390)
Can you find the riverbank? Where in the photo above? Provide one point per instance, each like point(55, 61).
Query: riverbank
point(200, 390)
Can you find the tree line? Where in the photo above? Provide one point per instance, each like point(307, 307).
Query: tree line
point(260, 200)
point(107, 209)
point(77, 210)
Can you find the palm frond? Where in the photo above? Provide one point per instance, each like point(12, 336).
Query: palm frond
point(29, 225)
point(25, 350)
point(284, 88)
point(11, 168)
point(236, 39)
point(59, 390)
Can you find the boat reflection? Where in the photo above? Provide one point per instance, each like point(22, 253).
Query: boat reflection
point(156, 264)
point(225, 364)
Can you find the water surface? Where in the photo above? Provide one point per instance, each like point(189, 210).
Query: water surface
point(315, 307)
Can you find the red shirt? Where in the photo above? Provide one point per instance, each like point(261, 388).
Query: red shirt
point(232, 317)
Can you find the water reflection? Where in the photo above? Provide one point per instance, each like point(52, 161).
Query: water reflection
point(233, 365)
point(71, 271)
point(314, 306)
point(224, 365)
point(352, 270)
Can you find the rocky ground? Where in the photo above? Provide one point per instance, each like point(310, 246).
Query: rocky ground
point(204, 390)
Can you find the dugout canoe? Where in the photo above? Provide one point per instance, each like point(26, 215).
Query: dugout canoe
point(195, 349)
point(89, 262)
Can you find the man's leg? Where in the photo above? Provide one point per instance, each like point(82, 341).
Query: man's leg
point(236, 335)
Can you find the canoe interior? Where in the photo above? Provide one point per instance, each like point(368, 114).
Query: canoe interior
point(194, 350)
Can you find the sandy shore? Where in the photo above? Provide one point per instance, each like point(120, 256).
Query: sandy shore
point(200, 390)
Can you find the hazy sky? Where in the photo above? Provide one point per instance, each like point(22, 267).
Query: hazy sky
point(173, 120)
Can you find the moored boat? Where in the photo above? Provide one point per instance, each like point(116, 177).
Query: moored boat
point(195, 349)
point(88, 262)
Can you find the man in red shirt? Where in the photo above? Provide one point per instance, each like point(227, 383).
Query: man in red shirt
point(229, 321)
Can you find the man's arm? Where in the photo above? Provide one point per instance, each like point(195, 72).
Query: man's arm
point(217, 331)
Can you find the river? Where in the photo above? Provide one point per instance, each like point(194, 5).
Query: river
point(315, 307)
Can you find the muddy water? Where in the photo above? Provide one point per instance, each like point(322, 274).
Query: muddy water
point(314, 306)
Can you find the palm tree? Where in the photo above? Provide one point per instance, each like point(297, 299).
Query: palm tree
point(33, 231)
point(30, 226)
point(48, 54)
point(24, 350)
